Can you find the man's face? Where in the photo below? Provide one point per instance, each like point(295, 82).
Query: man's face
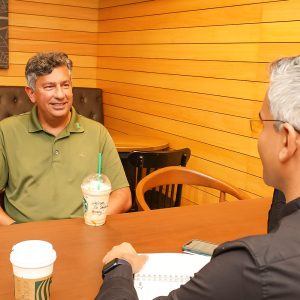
point(53, 95)
point(269, 146)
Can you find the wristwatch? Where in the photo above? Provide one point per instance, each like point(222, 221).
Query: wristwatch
point(112, 265)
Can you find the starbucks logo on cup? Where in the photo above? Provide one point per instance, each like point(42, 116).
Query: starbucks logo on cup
point(32, 263)
point(42, 289)
point(85, 205)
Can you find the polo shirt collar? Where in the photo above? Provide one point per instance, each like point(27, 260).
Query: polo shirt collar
point(34, 123)
point(73, 126)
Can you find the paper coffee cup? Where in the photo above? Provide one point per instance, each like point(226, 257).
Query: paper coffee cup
point(96, 190)
point(32, 263)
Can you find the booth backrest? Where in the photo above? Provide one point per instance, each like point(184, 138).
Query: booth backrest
point(87, 102)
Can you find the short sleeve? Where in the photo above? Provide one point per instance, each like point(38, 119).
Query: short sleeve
point(111, 163)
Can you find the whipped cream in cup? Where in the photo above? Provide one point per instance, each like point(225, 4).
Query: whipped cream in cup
point(96, 190)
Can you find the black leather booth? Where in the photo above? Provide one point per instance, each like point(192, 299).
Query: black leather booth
point(87, 102)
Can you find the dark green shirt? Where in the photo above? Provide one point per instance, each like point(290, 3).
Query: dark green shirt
point(42, 173)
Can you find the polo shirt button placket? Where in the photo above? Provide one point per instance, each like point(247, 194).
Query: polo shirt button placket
point(56, 152)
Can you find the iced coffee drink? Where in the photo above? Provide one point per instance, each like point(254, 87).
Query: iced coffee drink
point(96, 190)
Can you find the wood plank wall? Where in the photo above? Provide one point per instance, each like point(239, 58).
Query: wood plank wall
point(49, 25)
point(194, 73)
point(191, 72)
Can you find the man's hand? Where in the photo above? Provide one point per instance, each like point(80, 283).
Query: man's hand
point(5, 219)
point(127, 252)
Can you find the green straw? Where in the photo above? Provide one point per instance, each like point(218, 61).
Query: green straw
point(99, 168)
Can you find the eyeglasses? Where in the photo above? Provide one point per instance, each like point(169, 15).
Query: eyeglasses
point(257, 126)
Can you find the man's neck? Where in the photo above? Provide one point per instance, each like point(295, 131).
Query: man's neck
point(55, 126)
point(291, 195)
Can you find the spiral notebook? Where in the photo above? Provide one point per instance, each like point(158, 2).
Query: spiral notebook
point(164, 272)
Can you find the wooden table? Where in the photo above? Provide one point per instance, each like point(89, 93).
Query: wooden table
point(80, 247)
point(128, 143)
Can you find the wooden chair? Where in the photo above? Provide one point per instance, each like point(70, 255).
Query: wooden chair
point(165, 180)
point(143, 163)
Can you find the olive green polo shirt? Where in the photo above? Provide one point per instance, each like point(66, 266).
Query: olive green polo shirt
point(42, 173)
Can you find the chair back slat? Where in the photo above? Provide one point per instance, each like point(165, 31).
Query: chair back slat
point(222, 196)
point(147, 162)
point(177, 175)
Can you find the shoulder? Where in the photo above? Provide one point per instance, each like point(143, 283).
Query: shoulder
point(92, 125)
point(16, 120)
point(254, 246)
point(278, 246)
point(89, 122)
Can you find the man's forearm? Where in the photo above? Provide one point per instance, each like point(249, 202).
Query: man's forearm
point(4, 218)
point(119, 201)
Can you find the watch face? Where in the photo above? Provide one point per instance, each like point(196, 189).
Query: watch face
point(112, 264)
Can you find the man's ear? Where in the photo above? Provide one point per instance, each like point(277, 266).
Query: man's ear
point(30, 92)
point(289, 143)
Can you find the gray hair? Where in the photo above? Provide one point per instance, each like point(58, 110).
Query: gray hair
point(284, 91)
point(43, 64)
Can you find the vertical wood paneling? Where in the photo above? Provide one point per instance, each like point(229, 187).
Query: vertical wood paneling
point(194, 73)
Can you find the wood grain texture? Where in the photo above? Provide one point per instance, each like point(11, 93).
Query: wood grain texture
point(114, 3)
point(195, 116)
point(195, 72)
point(250, 71)
point(50, 25)
point(80, 61)
point(62, 10)
point(214, 86)
point(164, 230)
point(44, 46)
point(237, 143)
point(241, 33)
point(192, 18)
point(221, 156)
point(54, 35)
point(240, 107)
point(251, 14)
point(246, 52)
point(191, 72)
point(38, 21)
point(76, 3)
point(171, 6)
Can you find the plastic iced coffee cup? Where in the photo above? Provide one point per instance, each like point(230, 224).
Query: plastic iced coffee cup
point(96, 190)
point(32, 263)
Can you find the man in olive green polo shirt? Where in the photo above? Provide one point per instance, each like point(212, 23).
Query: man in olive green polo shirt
point(46, 153)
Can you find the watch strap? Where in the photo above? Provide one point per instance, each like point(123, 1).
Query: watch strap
point(112, 265)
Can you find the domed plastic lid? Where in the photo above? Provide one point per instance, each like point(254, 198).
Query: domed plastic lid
point(32, 254)
point(96, 182)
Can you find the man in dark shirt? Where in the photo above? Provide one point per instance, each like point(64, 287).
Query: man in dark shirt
point(257, 267)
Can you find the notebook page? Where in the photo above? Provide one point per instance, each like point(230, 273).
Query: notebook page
point(164, 272)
